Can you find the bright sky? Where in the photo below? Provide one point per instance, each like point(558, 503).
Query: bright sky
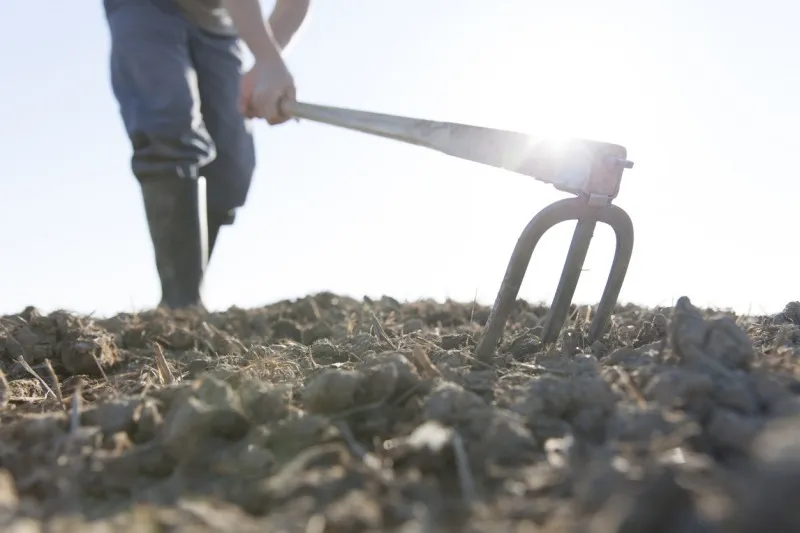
point(703, 95)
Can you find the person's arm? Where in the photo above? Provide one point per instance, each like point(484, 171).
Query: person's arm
point(257, 35)
point(287, 17)
point(269, 81)
point(266, 38)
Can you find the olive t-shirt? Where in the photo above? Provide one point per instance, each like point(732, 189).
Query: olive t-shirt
point(209, 15)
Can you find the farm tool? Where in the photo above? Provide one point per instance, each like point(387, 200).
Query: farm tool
point(590, 170)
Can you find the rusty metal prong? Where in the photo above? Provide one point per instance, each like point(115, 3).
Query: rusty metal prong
point(555, 213)
point(622, 225)
point(587, 216)
point(557, 314)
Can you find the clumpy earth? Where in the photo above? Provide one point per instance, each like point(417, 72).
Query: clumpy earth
point(329, 414)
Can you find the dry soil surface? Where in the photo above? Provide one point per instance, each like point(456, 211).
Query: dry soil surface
point(329, 414)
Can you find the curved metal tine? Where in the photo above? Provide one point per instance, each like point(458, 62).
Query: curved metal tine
point(622, 225)
point(557, 314)
point(555, 213)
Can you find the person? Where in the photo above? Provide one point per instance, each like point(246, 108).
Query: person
point(176, 69)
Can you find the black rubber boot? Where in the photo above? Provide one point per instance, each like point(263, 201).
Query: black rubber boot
point(177, 218)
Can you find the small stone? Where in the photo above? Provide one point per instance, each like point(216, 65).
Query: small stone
point(720, 340)
point(305, 309)
point(216, 393)
point(150, 459)
point(286, 329)
point(134, 337)
point(727, 343)
point(501, 438)
point(190, 423)
point(735, 391)
point(413, 325)
point(599, 349)
point(291, 436)
point(731, 431)
point(113, 416)
point(458, 340)
point(363, 343)
point(319, 330)
point(393, 374)
point(88, 354)
point(450, 403)
point(528, 319)
point(326, 353)
point(181, 339)
point(687, 330)
point(525, 344)
point(213, 409)
point(645, 424)
point(196, 367)
point(378, 384)
point(249, 458)
point(622, 356)
point(332, 391)
point(679, 389)
point(661, 324)
point(265, 402)
point(544, 396)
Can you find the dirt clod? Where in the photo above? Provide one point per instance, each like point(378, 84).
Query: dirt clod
point(332, 414)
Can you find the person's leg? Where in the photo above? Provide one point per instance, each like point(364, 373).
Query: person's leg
point(155, 84)
point(218, 62)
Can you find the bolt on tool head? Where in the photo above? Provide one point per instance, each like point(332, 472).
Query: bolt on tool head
point(590, 170)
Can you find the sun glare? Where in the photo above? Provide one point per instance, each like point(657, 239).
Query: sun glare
point(552, 84)
point(557, 83)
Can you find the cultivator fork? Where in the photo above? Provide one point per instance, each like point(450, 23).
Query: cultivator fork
point(590, 170)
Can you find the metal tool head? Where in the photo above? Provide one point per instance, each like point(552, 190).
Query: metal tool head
point(577, 166)
point(587, 217)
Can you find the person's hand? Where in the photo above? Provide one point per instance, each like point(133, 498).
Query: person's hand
point(263, 88)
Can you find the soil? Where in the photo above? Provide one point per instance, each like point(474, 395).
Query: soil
point(329, 414)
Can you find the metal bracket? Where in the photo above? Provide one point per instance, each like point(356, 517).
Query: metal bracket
point(584, 210)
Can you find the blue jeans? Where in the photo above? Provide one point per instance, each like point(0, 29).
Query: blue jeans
point(177, 86)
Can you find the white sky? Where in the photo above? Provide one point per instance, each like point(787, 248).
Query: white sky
point(703, 95)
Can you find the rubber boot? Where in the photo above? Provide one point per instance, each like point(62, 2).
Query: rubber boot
point(177, 218)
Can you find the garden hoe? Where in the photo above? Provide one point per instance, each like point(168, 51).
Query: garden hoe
point(590, 170)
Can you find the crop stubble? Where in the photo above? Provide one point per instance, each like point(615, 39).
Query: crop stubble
point(329, 414)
